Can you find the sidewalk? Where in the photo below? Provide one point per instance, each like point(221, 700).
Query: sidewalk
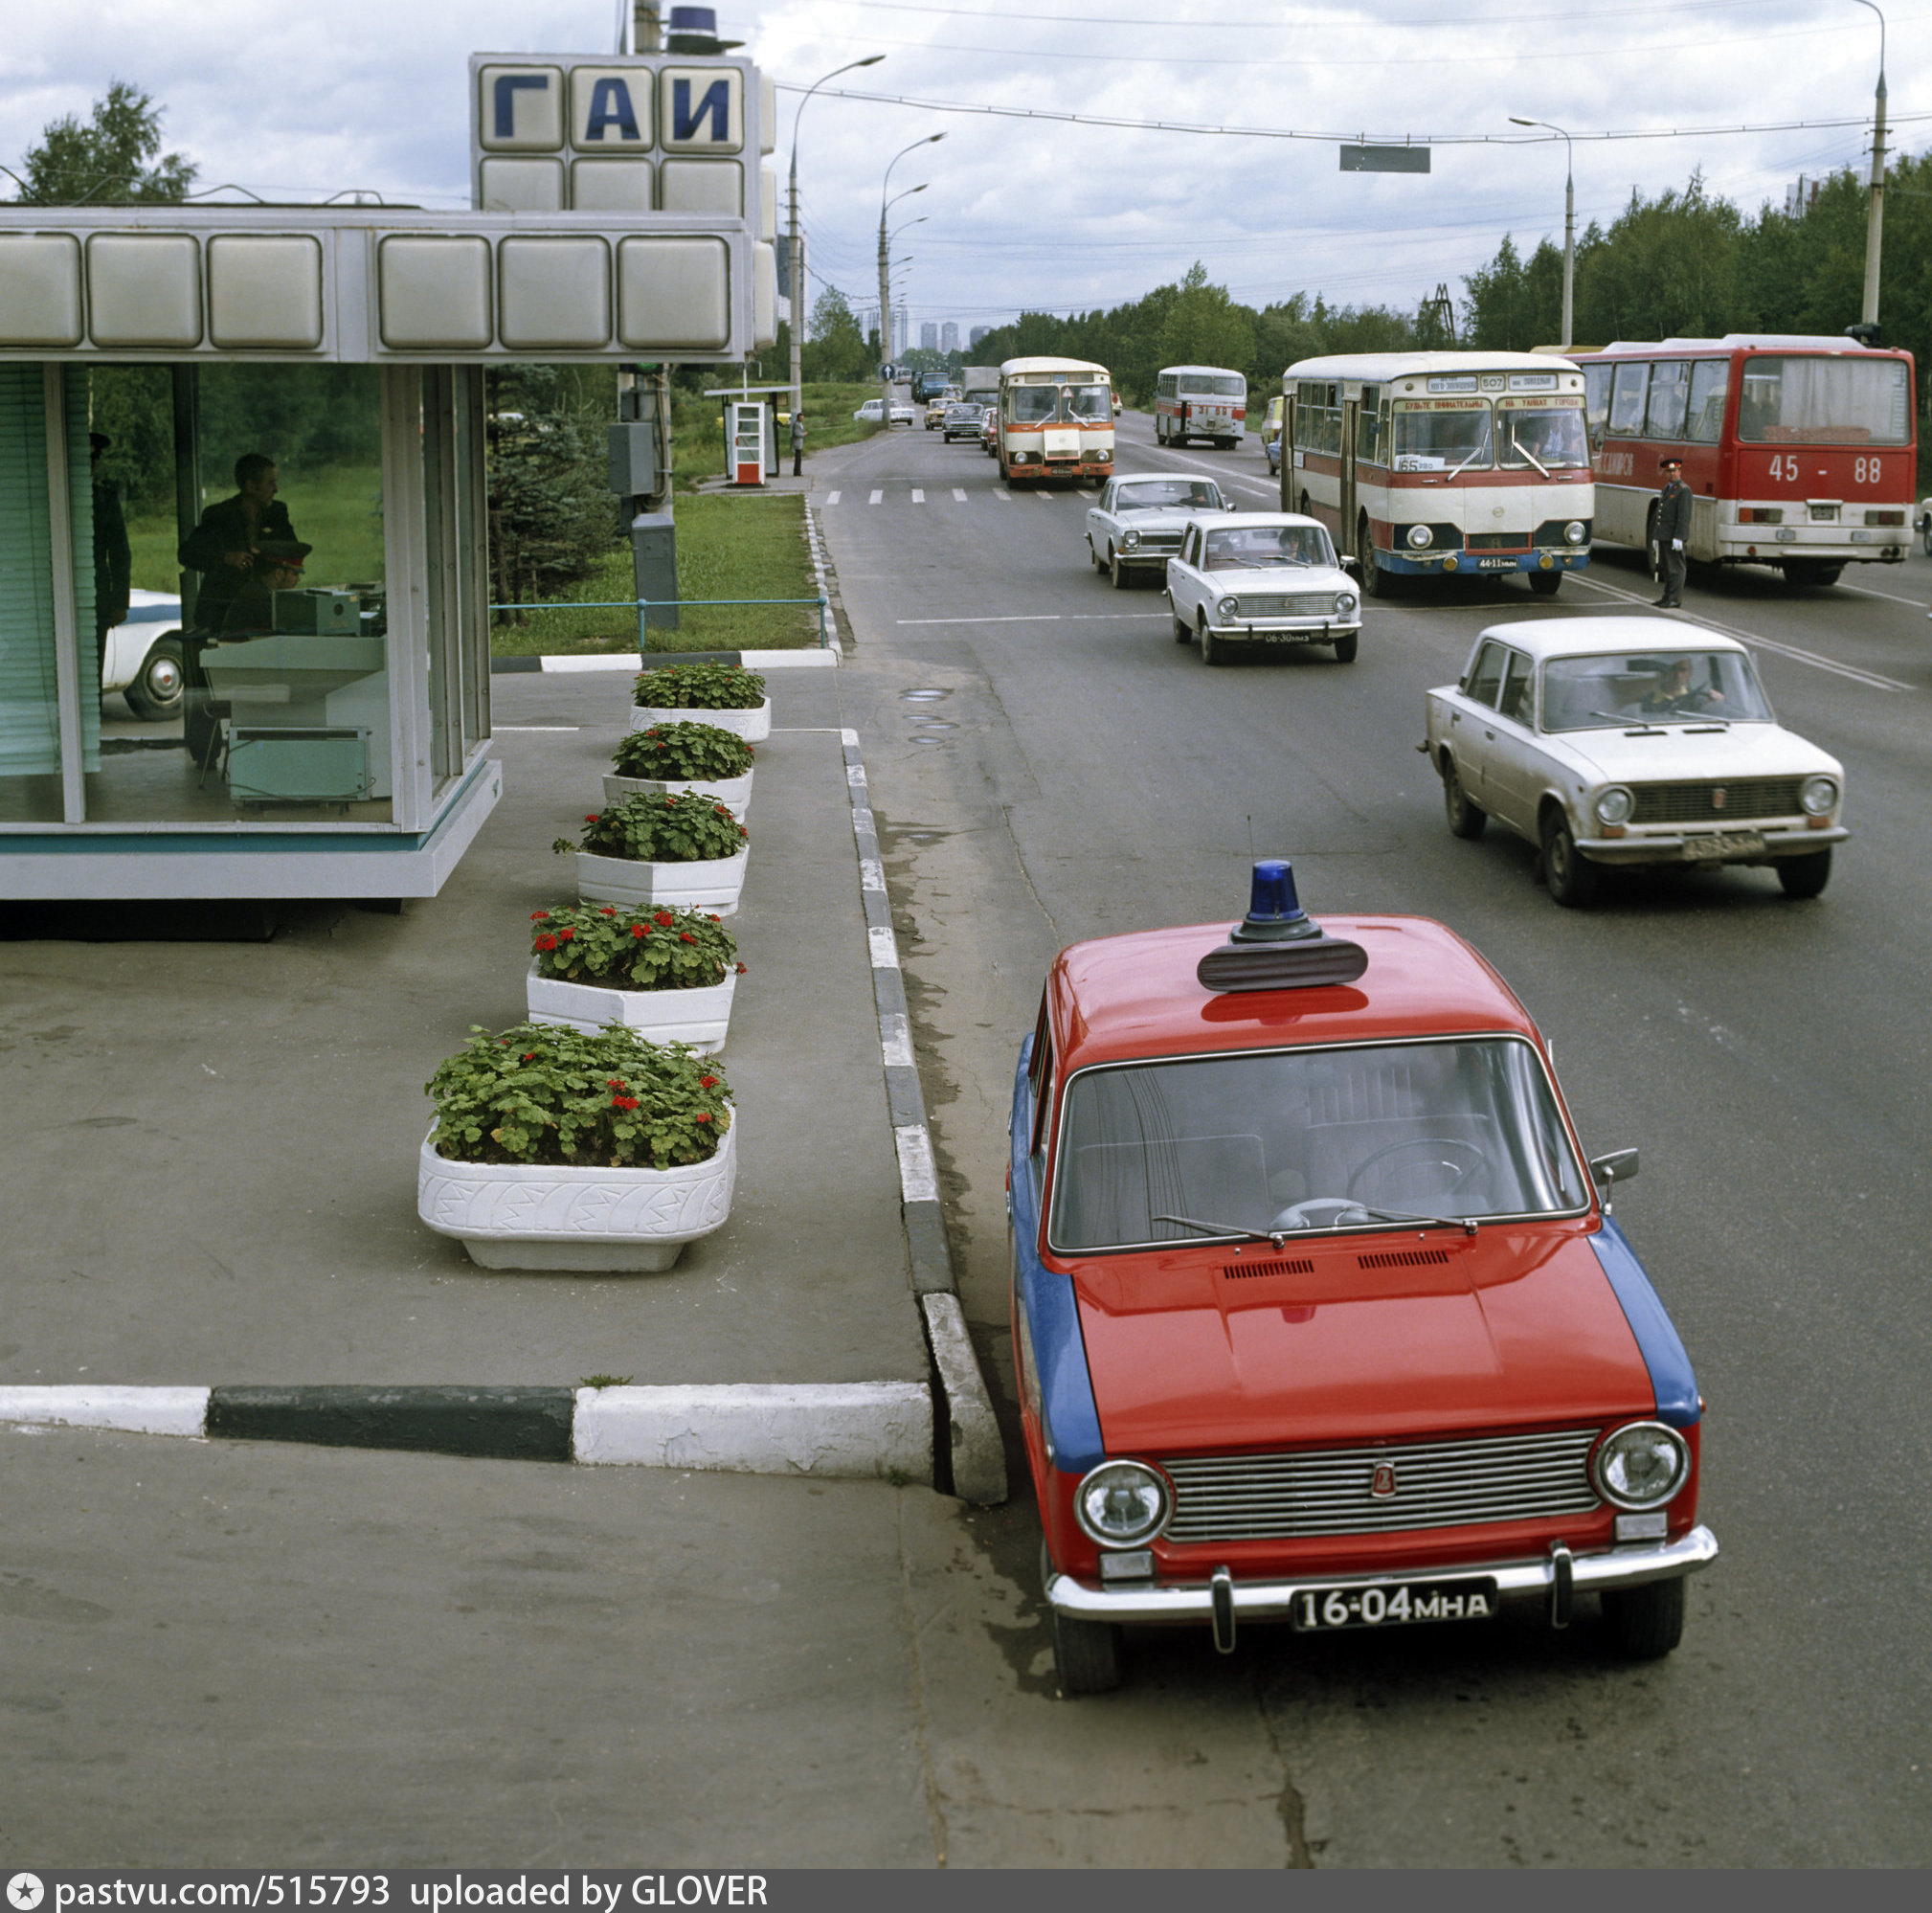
point(208, 1157)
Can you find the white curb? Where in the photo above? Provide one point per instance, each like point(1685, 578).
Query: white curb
point(164, 1411)
point(861, 1429)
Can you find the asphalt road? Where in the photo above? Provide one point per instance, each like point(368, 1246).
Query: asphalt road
point(1047, 764)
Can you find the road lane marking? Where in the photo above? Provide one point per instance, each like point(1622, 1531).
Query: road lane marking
point(918, 496)
point(959, 494)
point(1891, 597)
point(875, 497)
point(1026, 617)
point(831, 498)
point(1000, 491)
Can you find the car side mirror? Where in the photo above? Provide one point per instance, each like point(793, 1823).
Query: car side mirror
point(1620, 1165)
point(1351, 564)
point(1230, 508)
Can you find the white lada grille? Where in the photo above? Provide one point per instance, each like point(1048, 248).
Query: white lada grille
point(1297, 604)
point(1440, 1484)
point(1717, 801)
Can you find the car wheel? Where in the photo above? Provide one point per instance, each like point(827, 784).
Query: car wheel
point(157, 687)
point(1345, 647)
point(1213, 650)
point(1115, 572)
point(1572, 878)
point(1805, 876)
point(1182, 630)
point(1086, 1653)
point(1645, 1623)
point(1546, 584)
point(1465, 819)
point(1093, 557)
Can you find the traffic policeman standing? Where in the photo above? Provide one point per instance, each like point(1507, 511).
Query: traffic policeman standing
point(1673, 526)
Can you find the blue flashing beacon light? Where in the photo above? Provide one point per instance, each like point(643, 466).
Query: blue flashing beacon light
point(1274, 911)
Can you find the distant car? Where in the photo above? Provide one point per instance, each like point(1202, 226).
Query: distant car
point(989, 432)
point(963, 421)
point(142, 660)
point(936, 413)
point(1138, 523)
point(1630, 740)
point(1319, 1315)
point(1262, 578)
point(902, 414)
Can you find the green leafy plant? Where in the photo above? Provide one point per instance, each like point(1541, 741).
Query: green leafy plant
point(545, 1093)
point(700, 687)
point(601, 1382)
point(681, 827)
point(683, 752)
point(662, 949)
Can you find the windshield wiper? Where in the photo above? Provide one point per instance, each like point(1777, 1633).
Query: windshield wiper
point(1467, 462)
point(1467, 1224)
point(1277, 1236)
point(1531, 457)
point(1640, 726)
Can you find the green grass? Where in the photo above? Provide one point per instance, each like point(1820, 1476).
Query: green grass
point(337, 509)
point(746, 545)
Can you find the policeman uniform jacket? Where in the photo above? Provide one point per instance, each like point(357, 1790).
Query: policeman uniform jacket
point(225, 528)
point(1673, 514)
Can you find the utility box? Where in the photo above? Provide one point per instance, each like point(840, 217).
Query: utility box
point(634, 458)
point(654, 557)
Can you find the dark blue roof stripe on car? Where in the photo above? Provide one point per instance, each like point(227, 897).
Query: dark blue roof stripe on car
point(1657, 1341)
point(1052, 1314)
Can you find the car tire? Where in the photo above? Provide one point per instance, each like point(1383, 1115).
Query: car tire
point(1093, 557)
point(1801, 574)
point(1645, 1623)
point(157, 690)
point(1346, 646)
point(1572, 879)
point(1546, 584)
point(1805, 876)
point(1086, 1653)
point(1213, 650)
point(1184, 632)
point(1117, 572)
point(1466, 819)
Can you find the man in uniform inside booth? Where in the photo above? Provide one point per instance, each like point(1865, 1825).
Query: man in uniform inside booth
point(278, 567)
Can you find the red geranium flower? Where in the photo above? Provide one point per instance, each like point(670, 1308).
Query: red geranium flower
point(686, 936)
point(609, 909)
point(703, 1117)
point(707, 1082)
point(547, 943)
point(540, 916)
point(663, 918)
point(614, 1082)
point(623, 1102)
point(639, 930)
point(741, 969)
point(590, 817)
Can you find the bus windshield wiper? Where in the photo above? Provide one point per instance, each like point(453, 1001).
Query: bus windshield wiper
point(1531, 457)
point(1468, 462)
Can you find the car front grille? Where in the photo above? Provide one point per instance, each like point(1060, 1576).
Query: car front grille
point(1716, 802)
point(1441, 1484)
point(1300, 604)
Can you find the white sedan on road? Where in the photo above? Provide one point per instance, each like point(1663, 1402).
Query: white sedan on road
point(143, 657)
point(1260, 577)
point(869, 414)
point(1630, 740)
point(1138, 523)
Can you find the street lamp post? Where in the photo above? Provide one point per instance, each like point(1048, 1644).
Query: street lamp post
point(885, 282)
point(1569, 220)
point(798, 239)
point(1875, 215)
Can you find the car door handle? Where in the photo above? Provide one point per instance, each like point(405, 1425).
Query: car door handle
point(1490, 736)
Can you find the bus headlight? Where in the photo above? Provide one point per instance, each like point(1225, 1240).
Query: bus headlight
point(1419, 537)
point(1122, 1502)
point(1574, 531)
point(1642, 1465)
point(1615, 805)
point(1229, 609)
point(1816, 796)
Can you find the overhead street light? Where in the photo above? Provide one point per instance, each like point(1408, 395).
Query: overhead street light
point(885, 282)
point(1569, 218)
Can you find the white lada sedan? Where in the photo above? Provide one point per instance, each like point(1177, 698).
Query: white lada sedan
point(1136, 526)
point(1260, 577)
point(1630, 740)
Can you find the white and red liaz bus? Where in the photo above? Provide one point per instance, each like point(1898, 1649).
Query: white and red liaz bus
point(1056, 421)
point(1199, 402)
point(1798, 452)
point(1441, 464)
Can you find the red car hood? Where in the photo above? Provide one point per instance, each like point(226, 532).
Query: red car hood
point(1382, 1339)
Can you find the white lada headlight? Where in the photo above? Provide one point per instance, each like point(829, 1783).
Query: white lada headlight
point(1420, 536)
point(1640, 1466)
point(1121, 1503)
point(1615, 805)
point(1229, 609)
point(1344, 603)
point(1818, 795)
point(1129, 539)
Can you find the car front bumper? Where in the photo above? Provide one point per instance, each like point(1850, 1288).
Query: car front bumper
point(1301, 632)
point(1151, 1602)
point(1673, 847)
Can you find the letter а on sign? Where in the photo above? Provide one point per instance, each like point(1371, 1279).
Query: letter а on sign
point(611, 106)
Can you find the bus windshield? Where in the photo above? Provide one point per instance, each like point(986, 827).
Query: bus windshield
point(1443, 435)
point(1061, 404)
point(1825, 402)
point(1542, 434)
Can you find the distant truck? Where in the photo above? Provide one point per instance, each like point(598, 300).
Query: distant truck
point(931, 384)
point(979, 384)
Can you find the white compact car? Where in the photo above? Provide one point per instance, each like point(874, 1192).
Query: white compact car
point(1138, 523)
point(869, 414)
point(1630, 740)
point(1260, 577)
point(143, 660)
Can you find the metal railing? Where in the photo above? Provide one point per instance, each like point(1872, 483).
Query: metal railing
point(642, 605)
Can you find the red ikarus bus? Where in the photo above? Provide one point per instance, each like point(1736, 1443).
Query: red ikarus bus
point(1799, 452)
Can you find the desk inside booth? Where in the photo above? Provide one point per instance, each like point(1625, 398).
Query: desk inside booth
point(301, 713)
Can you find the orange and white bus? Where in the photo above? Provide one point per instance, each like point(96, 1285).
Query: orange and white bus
point(1799, 452)
point(1199, 402)
point(1056, 421)
point(1428, 463)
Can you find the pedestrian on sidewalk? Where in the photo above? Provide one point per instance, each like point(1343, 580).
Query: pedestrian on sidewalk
point(798, 443)
point(1673, 526)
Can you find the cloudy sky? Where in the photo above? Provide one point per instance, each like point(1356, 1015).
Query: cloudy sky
point(1041, 212)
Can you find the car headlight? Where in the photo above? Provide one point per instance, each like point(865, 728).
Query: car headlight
point(1129, 539)
point(1816, 796)
point(1615, 805)
point(1344, 603)
point(1121, 1503)
point(1574, 531)
point(1419, 537)
point(1640, 1466)
point(1229, 607)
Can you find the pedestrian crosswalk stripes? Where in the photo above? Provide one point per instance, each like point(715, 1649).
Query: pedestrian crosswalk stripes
point(916, 494)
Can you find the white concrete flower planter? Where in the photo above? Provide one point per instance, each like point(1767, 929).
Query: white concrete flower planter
point(711, 883)
point(733, 793)
point(619, 1221)
point(752, 725)
point(699, 1018)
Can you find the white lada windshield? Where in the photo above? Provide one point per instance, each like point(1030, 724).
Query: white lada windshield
point(1153, 494)
point(1241, 546)
point(1307, 1140)
point(1628, 689)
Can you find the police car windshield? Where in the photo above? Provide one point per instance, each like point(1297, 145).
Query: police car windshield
point(1633, 689)
point(1306, 1142)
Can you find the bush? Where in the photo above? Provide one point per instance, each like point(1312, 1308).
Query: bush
point(684, 828)
point(662, 949)
point(700, 687)
point(683, 752)
point(544, 1093)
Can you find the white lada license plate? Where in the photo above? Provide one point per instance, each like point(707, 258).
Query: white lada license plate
point(1390, 1604)
point(1724, 843)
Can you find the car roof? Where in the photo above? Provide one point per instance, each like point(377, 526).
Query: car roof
point(1235, 520)
point(1589, 636)
point(1122, 998)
